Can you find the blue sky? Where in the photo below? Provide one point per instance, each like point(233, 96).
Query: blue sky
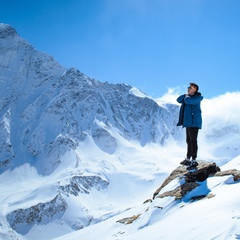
point(150, 44)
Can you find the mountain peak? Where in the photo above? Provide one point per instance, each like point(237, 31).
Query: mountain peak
point(7, 31)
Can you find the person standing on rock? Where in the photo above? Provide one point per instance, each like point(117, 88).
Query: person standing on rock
point(190, 117)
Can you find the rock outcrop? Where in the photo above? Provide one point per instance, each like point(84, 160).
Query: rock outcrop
point(22, 220)
point(191, 178)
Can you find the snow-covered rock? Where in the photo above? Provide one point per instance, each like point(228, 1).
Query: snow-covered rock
point(21, 220)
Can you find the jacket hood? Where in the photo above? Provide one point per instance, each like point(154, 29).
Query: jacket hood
point(198, 94)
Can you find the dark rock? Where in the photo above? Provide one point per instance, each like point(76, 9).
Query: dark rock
point(180, 191)
point(202, 173)
point(234, 172)
point(204, 170)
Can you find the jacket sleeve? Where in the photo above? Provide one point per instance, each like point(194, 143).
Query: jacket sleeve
point(193, 100)
point(180, 99)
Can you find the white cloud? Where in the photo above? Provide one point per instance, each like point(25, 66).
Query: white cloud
point(225, 107)
point(170, 96)
point(220, 134)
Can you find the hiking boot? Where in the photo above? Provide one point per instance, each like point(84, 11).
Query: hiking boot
point(193, 165)
point(185, 162)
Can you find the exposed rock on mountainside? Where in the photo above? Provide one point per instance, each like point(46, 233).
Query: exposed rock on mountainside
point(234, 172)
point(83, 184)
point(22, 220)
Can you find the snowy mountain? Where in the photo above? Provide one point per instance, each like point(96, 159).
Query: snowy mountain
point(51, 109)
point(76, 154)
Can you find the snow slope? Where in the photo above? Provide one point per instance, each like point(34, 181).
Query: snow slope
point(166, 218)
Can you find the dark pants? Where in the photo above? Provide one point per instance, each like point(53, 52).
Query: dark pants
point(191, 139)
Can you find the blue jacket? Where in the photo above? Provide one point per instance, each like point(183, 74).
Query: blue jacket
point(190, 114)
